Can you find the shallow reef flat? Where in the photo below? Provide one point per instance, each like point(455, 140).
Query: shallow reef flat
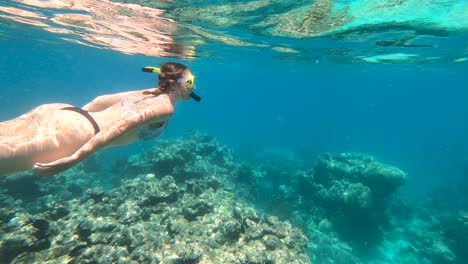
point(149, 218)
point(189, 200)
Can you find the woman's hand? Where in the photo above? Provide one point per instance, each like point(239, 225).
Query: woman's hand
point(51, 168)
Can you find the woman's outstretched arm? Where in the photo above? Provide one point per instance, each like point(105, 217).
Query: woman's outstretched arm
point(104, 101)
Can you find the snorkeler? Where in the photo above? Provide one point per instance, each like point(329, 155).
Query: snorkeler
point(54, 137)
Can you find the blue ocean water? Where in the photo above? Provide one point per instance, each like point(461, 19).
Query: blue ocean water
point(413, 115)
point(391, 84)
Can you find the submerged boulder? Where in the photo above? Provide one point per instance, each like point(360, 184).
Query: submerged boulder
point(352, 191)
point(382, 179)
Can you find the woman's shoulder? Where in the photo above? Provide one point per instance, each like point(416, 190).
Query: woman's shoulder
point(143, 103)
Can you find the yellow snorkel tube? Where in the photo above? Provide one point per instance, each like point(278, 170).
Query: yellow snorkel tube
point(151, 69)
point(189, 83)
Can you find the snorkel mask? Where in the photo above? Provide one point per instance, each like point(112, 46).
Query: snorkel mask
point(189, 82)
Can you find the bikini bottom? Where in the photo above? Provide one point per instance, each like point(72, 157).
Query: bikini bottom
point(85, 114)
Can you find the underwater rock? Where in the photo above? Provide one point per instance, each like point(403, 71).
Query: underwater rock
point(196, 156)
point(357, 195)
point(349, 190)
point(194, 207)
point(231, 230)
point(166, 192)
point(56, 210)
point(153, 220)
point(197, 186)
point(328, 248)
point(129, 212)
point(96, 194)
point(344, 196)
point(382, 179)
point(22, 235)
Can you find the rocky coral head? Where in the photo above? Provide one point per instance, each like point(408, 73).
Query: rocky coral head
point(382, 179)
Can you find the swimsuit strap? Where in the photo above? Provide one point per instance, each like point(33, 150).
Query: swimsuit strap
point(85, 114)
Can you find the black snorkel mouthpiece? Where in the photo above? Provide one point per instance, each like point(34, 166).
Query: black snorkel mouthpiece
point(195, 97)
point(148, 69)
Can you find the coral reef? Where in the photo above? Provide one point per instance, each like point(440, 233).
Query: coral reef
point(189, 200)
point(341, 203)
point(382, 179)
point(352, 189)
point(151, 218)
point(344, 196)
point(192, 157)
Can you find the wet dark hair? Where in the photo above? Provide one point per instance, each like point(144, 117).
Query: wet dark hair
point(170, 73)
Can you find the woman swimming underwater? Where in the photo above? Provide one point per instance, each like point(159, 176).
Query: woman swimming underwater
point(54, 137)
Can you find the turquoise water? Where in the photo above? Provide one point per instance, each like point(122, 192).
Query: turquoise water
point(384, 78)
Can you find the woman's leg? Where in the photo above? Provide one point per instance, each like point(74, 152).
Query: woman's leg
point(27, 138)
point(15, 154)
